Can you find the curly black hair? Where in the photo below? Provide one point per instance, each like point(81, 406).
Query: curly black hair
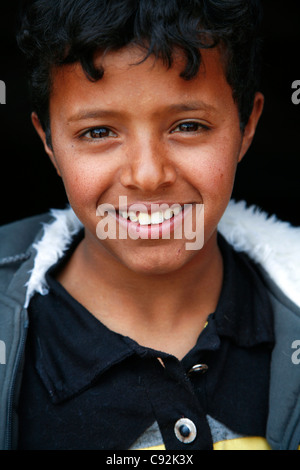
point(57, 32)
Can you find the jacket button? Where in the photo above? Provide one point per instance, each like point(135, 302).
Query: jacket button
point(198, 368)
point(185, 430)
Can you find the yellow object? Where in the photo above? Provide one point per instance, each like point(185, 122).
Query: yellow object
point(243, 443)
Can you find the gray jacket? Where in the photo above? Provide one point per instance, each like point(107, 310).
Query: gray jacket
point(29, 247)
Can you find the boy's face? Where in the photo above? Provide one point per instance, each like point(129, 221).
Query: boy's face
point(144, 133)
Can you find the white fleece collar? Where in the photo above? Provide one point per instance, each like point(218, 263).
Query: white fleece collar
point(58, 235)
point(272, 243)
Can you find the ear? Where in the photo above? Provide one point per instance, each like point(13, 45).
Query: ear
point(39, 129)
point(250, 128)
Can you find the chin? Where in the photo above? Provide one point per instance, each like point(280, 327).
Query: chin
point(157, 262)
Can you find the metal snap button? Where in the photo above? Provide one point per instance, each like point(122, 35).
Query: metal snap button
point(185, 430)
point(198, 368)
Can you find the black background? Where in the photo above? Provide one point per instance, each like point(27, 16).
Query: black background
point(268, 176)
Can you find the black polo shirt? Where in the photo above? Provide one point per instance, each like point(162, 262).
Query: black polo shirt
point(87, 387)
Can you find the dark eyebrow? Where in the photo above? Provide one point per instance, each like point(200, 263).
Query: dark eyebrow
point(179, 107)
point(192, 106)
point(92, 114)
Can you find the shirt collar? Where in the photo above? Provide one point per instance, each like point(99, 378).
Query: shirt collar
point(244, 312)
point(78, 348)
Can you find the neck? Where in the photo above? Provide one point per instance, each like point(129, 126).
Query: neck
point(174, 302)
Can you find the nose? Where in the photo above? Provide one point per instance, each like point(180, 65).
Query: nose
point(148, 167)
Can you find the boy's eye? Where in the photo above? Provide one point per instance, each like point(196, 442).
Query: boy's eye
point(191, 126)
point(99, 133)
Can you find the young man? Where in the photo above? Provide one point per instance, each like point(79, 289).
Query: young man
point(128, 322)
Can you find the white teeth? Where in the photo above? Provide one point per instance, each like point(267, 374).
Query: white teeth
point(168, 214)
point(157, 218)
point(177, 210)
point(132, 216)
point(143, 218)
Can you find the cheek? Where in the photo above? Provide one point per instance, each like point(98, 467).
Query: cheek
point(213, 178)
point(84, 180)
point(211, 167)
point(78, 185)
point(223, 178)
point(221, 167)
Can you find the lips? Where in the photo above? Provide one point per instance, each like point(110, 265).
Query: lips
point(149, 217)
point(144, 221)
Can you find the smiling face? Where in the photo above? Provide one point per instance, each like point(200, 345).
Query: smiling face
point(144, 133)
